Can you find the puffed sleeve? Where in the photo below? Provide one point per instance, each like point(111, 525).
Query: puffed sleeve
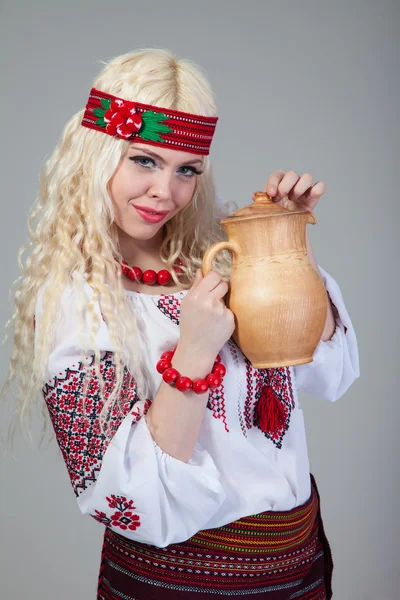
point(336, 362)
point(125, 480)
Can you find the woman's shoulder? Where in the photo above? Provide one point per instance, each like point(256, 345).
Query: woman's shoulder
point(72, 322)
point(67, 292)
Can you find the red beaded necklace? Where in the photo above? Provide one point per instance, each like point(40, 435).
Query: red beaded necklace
point(149, 277)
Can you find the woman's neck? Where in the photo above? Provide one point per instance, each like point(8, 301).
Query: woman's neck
point(141, 253)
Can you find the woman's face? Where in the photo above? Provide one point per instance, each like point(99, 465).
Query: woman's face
point(155, 179)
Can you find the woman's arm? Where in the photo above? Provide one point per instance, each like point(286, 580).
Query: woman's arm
point(330, 324)
point(125, 480)
point(335, 364)
point(174, 419)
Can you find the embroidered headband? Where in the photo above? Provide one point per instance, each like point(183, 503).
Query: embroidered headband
point(148, 124)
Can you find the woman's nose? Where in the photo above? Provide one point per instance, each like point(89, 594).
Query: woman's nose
point(161, 186)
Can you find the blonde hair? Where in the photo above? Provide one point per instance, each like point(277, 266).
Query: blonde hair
point(72, 232)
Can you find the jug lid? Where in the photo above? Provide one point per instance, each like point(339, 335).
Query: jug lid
point(262, 206)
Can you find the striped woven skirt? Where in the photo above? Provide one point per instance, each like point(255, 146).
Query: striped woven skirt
point(269, 556)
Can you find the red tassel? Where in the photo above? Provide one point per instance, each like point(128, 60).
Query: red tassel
point(269, 412)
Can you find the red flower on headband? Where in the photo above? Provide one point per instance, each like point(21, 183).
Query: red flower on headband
point(122, 119)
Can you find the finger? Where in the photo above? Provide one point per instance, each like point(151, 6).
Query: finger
point(273, 180)
point(219, 291)
point(210, 281)
point(303, 184)
point(313, 194)
point(287, 183)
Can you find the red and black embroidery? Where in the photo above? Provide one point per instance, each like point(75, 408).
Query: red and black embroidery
point(216, 403)
point(139, 412)
point(250, 384)
point(235, 357)
point(269, 385)
point(170, 306)
point(124, 518)
point(74, 415)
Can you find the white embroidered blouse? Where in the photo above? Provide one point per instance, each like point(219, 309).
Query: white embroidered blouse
point(136, 489)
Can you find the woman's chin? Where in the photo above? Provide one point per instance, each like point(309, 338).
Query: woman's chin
point(144, 233)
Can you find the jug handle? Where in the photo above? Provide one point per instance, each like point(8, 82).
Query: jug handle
point(213, 250)
point(312, 219)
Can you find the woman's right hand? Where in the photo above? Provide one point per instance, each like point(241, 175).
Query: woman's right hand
point(206, 324)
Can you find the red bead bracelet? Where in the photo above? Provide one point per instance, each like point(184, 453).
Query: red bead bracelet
point(184, 384)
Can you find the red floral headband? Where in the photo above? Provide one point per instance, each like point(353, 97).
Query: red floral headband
point(148, 124)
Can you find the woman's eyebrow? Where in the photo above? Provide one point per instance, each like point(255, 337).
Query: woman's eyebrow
point(154, 155)
point(192, 162)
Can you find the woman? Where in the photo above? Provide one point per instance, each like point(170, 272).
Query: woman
point(155, 408)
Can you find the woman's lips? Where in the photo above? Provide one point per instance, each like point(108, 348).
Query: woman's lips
point(155, 218)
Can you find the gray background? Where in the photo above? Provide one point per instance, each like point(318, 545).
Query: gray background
point(309, 86)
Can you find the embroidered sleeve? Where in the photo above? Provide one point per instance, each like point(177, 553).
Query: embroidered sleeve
point(336, 362)
point(123, 480)
point(74, 415)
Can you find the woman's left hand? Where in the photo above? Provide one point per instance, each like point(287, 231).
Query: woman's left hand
point(292, 191)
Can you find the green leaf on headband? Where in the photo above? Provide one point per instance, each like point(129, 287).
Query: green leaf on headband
point(98, 112)
point(101, 122)
point(105, 103)
point(152, 126)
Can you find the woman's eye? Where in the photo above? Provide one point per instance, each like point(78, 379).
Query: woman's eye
point(189, 171)
point(144, 161)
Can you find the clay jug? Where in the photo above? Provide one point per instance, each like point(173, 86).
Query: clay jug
point(279, 301)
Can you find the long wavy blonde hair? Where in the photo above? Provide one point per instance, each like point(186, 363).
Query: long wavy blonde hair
point(72, 232)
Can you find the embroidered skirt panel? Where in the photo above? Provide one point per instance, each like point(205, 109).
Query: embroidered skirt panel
point(271, 556)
